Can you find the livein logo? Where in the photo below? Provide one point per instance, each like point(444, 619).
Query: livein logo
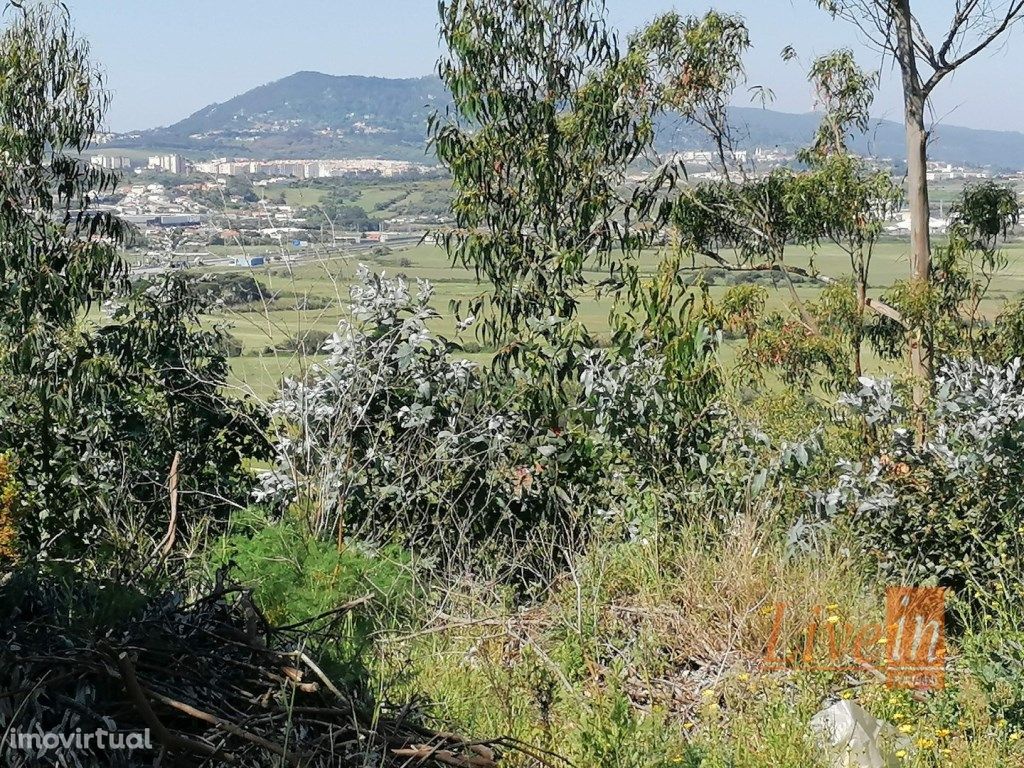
point(910, 646)
point(917, 640)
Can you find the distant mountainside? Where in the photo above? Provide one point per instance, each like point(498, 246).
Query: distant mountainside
point(310, 114)
point(306, 115)
point(1001, 150)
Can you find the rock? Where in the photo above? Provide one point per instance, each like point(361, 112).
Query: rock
point(854, 738)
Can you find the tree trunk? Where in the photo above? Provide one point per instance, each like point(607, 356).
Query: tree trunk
point(858, 340)
point(920, 239)
point(914, 99)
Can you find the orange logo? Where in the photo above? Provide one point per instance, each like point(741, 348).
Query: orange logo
point(911, 647)
point(917, 640)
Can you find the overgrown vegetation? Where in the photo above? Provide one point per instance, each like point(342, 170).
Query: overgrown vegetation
point(590, 547)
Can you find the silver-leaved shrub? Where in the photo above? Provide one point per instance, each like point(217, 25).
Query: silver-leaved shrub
point(948, 510)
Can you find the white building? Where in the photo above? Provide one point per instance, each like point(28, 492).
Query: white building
point(168, 163)
point(111, 162)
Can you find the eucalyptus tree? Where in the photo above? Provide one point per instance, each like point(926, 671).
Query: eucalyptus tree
point(838, 198)
point(981, 221)
point(896, 31)
point(56, 256)
point(550, 115)
point(842, 198)
point(102, 381)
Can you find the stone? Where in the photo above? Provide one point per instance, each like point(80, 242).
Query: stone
point(853, 738)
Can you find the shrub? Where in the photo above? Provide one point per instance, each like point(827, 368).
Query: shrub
point(231, 289)
point(232, 345)
point(296, 577)
point(393, 435)
point(948, 511)
point(310, 342)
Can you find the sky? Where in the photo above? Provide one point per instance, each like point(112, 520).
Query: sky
point(165, 59)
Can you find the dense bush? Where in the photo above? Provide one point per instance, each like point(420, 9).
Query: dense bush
point(231, 289)
point(141, 388)
point(396, 433)
point(309, 343)
point(393, 434)
point(295, 577)
point(948, 510)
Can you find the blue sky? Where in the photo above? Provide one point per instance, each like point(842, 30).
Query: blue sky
point(167, 58)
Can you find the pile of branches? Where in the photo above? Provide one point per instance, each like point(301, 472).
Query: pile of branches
point(210, 681)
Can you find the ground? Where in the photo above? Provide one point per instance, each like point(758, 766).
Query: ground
point(261, 328)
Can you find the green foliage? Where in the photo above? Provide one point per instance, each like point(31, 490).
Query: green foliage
point(334, 212)
point(230, 289)
point(947, 511)
point(660, 318)
point(95, 408)
point(801, 356)
point(309, 343)
point(838, 198)
point(296, 577)
point(844, 93)
point(539, 151)
point(754, 218)
point(1008, 341)
point(614, 734)
point(994, 653)
point(948, 308)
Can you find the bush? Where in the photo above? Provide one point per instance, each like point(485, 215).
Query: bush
point(309, 343)
point(296, 577)
point(949, 511)
point(231, 289)
point(232, 345)
point(397, 434)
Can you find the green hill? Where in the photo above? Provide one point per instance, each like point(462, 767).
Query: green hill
point(310, 114)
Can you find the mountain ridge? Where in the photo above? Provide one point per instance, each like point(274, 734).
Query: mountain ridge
point(312, 114)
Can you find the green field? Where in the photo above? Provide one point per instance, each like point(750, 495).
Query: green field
point(325, 282)
point(380, 199)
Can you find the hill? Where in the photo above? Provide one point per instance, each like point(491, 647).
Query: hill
point(1002, 150)
point(310, 114)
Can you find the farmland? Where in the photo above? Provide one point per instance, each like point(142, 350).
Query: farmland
point(321, 286)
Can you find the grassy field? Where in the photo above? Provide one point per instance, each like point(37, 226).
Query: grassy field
point(381, 199)
point(323, 284)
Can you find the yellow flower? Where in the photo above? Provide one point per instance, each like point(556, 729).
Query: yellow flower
point(901, 753)
point(943, 732)
point(898, 716)
point(833, 619)
point(689, 726)
point(1015, 736)
point(1001, 722)
point(847, 694)
point(925, 743)
point(832, 606)
point(883, 640)
point(743, 677)
point(906, 728)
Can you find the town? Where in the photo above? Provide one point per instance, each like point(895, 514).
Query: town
point(247, 212)
point(242, 212)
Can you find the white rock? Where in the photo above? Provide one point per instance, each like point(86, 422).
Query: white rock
point(853, 738)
